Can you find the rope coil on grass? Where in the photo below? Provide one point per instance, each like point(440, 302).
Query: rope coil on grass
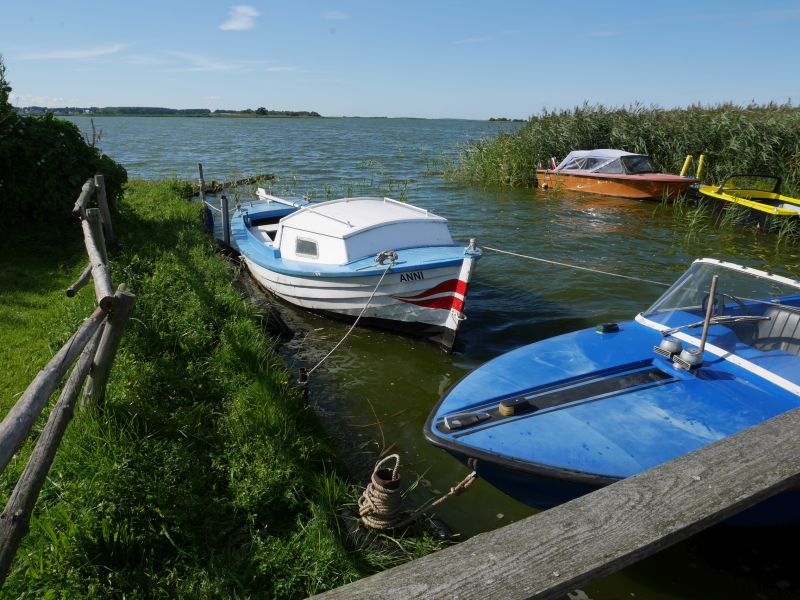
point(380, 505)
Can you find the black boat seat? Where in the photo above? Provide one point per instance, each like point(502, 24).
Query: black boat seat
point(780, 332)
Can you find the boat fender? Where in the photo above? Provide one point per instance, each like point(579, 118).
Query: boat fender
point(386, 255)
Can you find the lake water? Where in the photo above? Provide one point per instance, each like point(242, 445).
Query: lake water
point(380, 387)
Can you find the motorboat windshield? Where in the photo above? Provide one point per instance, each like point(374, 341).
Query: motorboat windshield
point(757, 183)
point(607, 161)
point(750, 307)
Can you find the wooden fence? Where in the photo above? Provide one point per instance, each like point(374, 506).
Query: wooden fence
point(91, 349)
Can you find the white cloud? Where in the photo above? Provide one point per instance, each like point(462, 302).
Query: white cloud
point(475, 40)
point(33, 100)
point(75, 54)
point(240, 18)
point(334, 15)
point(202, 63)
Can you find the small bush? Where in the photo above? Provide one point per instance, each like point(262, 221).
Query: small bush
point(43, 164)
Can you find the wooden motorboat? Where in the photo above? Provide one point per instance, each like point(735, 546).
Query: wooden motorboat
point(612, 173)
point(388, 263)
point(762, 193)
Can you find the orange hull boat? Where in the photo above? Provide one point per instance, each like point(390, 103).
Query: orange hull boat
point(652, 186)
point(612, 173)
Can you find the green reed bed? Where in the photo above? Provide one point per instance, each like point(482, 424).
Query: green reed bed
point(204, 474)
point(735, 139)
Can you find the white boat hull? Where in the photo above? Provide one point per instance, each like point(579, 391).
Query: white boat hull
point(431, 298)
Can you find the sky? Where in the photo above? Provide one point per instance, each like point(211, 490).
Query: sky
point(433, 59)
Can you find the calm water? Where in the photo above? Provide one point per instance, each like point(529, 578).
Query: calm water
point(380, 387)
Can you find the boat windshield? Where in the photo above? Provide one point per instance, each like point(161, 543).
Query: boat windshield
point(750, 307)
point(638, 163)
point(760, 183)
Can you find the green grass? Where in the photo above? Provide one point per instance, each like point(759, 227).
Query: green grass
point(735, 140)
point(204, 474)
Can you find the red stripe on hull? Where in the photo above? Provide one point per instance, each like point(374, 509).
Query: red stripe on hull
point(455, 287)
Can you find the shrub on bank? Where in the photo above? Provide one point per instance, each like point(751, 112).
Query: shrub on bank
point(44, 161)
point(735, 139)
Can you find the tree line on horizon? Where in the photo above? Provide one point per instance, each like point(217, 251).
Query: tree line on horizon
point(160, 111)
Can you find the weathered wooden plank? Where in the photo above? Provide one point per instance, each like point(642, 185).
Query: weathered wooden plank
point(79, 209)
point(112, 335)
point(102, 202)
point(100, 272)
point(556, 551)
point(15, 519)
point(17, 423)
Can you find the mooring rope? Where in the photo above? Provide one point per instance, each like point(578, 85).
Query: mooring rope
point(353, 326)
point(380, 505)
point(561, 264)
point(212, 207)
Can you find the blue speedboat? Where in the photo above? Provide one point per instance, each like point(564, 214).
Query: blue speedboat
point(548, 422)
point(386, 263)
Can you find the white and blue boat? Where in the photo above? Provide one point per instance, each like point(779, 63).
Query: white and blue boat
point(387, 263)
point(550, 421)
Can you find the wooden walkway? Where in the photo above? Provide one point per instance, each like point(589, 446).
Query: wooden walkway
point(564, 548)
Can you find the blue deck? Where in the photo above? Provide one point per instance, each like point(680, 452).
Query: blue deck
point(409, 259)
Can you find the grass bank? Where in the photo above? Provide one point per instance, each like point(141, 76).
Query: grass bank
point(735, 139)
point(204, 474)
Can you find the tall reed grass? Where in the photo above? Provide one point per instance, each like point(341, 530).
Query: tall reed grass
point(735, 139)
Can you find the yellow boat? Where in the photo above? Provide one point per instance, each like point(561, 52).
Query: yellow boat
point(759, 192)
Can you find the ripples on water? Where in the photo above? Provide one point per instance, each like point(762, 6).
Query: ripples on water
point(511, 302)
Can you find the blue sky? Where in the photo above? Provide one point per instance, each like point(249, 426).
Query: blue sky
point(434, 58)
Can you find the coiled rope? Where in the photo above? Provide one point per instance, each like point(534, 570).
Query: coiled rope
point(353, 326)
point(380, 505)
point(561, 264)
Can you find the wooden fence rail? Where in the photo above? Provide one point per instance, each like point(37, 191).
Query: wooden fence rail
point(95, 342)
point(559, 550)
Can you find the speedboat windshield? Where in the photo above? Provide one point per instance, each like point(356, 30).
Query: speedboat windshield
point(750, 307)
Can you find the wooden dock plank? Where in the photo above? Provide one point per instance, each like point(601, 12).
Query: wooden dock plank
point(566, 547)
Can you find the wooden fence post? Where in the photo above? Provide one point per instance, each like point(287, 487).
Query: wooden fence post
point(79, 210)
point(102, 202)
point(226, 221)
point(94, 216)
point(112, 334)
point(18, 422)
point(100, 274)
point(82, 281)
point(15, 519)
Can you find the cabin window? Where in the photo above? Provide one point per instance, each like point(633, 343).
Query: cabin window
point(306, 248)
point(615, 167)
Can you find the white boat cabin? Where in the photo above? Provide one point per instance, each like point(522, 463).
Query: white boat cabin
point(342, 231)
point(607, 161)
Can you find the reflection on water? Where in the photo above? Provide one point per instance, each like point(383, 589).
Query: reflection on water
point(380, 387)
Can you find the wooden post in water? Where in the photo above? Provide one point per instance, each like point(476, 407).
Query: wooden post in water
point(102, 202)
point(202, 183)
point(15, 519)
point(18, 422)
point(226, 221)
point(107, 350)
